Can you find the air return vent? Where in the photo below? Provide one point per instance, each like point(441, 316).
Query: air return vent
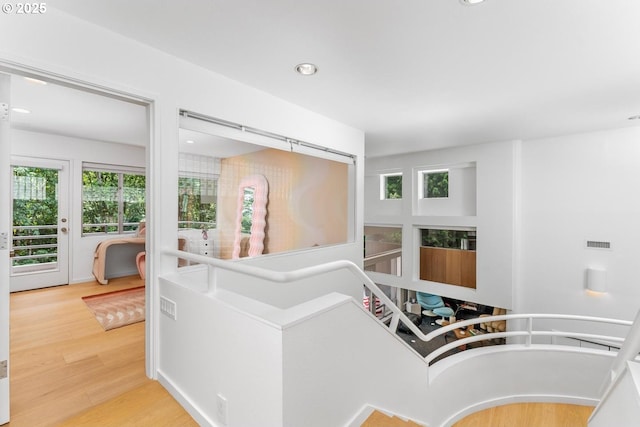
point(598, 244)
point(168, 307)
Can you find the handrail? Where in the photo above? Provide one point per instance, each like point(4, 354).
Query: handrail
point(303, 273)
point(398, 315)
point(528, 333)
point(628, 352)
point(382, 256)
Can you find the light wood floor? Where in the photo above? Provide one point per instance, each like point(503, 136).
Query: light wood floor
point(529, 415)
point(67, 371)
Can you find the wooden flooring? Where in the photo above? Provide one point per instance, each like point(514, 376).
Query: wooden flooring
point(378, 419)
point(67, 371)
point(529, 415)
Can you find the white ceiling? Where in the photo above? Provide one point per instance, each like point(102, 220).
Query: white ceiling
point(62, 110)
point(413, 74)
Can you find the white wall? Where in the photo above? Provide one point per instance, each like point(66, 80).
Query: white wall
point(577, 188)
point(538, 202)
point(526, 374)
point(214, 349)
point(340, 360)
point(41, 145)
point(493, 214)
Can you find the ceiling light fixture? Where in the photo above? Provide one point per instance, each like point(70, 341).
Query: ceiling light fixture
point(190, 141)
point(20, 110)
point(306, 69)
point(471, 2)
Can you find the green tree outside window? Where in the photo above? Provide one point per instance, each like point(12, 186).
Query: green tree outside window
point(112, 202)
point(393, 187)
point(436, 184)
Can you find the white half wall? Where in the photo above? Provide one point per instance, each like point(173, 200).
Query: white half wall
point(213, 349)
point(320, 362)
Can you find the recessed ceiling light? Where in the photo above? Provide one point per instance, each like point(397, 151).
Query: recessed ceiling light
point(471, 2)
point(635, 117)
point(306, 69)
point(190, 141)
point(35, 81)
point(20, 110)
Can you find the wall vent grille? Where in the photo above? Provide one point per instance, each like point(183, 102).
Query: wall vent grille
point(598, 244)
point(168, 307)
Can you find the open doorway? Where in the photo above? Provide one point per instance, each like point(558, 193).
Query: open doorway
point(70, 146)
point(52, 134)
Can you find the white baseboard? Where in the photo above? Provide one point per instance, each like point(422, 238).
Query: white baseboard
point(82, 280)
point(361, 416)
point(367, 410)
point(185, 402)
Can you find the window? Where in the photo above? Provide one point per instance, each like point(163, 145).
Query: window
point(296, 199)
point(391, 186)
point(197, 191)
point(113, 198)
point(435, 184)
point(448, 256)
point(452, 239)
point(197, 202)
point(383, 249)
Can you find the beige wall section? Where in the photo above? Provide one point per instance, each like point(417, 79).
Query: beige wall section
point(307, 199)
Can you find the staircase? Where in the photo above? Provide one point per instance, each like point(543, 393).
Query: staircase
point(621, 403)
point(378, 419)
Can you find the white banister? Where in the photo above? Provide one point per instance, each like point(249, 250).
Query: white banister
point(530, 331)
point(628, 352)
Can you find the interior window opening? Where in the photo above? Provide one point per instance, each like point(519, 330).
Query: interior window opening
point(244, 192)
point(448, 256)
point(383, 249)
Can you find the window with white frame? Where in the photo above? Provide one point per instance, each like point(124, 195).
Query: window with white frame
point(433, 184)
point(197, 191)
point(391, 186)
point(113, 198)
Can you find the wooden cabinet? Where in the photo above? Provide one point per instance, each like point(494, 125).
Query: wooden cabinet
point(451, 266)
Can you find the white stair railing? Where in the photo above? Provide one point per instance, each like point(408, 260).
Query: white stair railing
point(398, 316)
point(528, 332)
point(628, 352)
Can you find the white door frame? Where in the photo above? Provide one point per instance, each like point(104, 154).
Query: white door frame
point(5, 226)
point(153, 158)
point(59, 275)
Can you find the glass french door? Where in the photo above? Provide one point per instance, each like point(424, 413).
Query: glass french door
point(40, 238)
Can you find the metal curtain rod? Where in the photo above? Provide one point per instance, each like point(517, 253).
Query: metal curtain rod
point(271, 135)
